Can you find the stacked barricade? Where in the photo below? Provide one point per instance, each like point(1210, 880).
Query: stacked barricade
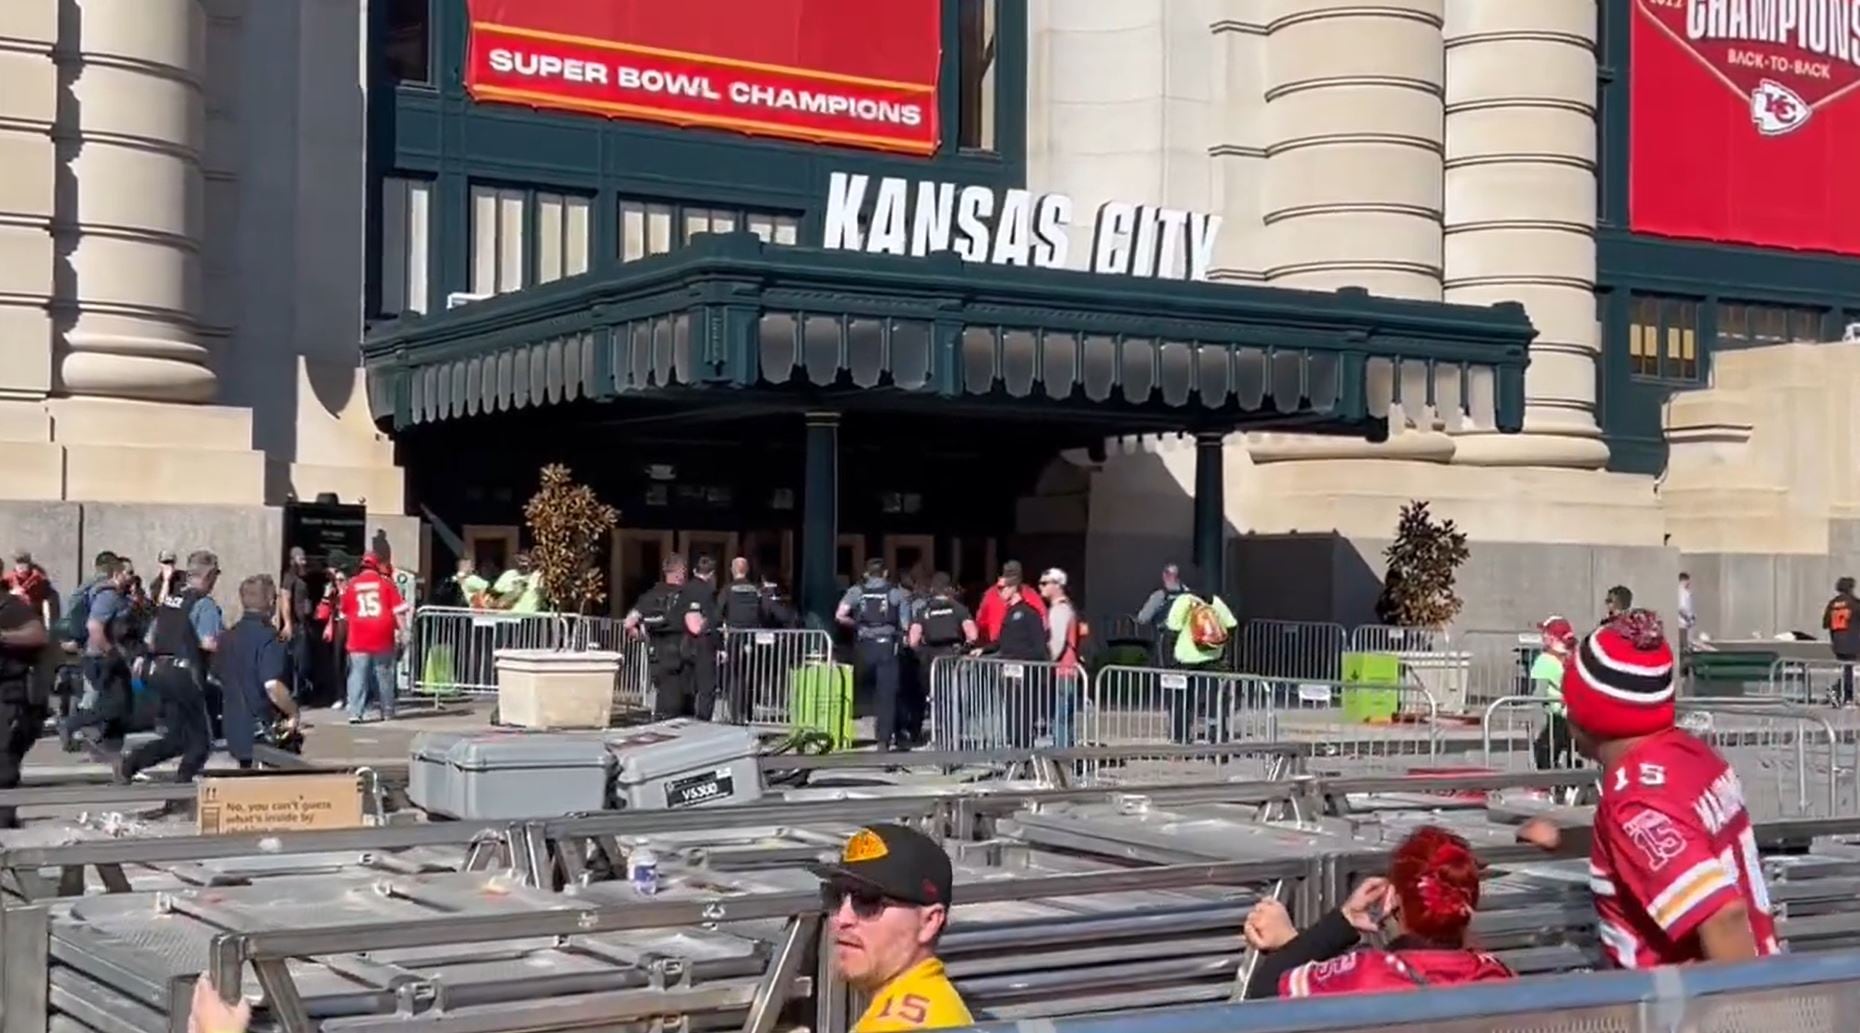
point(1292, 649)
point(986, 703)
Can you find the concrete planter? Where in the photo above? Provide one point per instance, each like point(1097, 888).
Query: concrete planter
point(544, 688)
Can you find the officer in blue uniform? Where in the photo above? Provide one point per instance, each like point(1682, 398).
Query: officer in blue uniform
point(255, 671)
point(186, 632)
point(876, 610)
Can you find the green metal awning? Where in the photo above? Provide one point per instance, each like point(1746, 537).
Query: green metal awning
point(729, 320)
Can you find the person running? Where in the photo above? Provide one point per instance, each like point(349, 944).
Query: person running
point(1429, 895)
point(1674, 863)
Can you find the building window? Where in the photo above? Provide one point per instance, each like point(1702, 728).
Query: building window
point(496, 240)
point(1663, 338)
point(975, 119)
point(1753, 326)
point(409, 41)
point(658, 227)
point(561, 236)
point(406, 212)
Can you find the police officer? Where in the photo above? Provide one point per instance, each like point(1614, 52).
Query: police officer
point(701, 600)
point(23, 696)
point(664, 618)
point(743, 608)
point(875, 610)
point(940, 626)
point(255, 669)
point(187, 629)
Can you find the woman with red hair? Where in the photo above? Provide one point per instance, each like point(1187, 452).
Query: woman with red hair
point(1430, 894)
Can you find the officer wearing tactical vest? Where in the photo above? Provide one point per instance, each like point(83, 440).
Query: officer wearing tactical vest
point(940, 626)
point(671, 620)
point(23, 695)
point(187, 628)
point(875, 610)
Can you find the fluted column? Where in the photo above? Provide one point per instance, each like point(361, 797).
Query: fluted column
point(1520, 208)
point(1353, 169)
point(133, 118)
point(28, 162)
point(1238, 147)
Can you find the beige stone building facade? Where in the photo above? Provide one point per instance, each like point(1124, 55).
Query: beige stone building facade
point(181, 239)
point(184, 263)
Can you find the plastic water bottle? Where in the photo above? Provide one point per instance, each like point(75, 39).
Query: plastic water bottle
point(643, 869)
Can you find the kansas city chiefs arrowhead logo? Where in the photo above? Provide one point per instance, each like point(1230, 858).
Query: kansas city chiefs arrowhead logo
point(1786, 58)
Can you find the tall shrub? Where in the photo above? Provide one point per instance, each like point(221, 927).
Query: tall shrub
point(1417, 591)
point(567, 524)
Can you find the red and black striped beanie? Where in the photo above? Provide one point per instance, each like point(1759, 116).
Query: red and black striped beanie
point(1620, 684)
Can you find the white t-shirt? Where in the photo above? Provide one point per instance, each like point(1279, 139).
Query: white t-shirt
point(1059, 620)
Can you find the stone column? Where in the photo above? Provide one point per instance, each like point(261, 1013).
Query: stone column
point(1210, 511)
point(28, 110)
point(133, 125)
point(1520, 209)
point(1353, 171)
point(820, 517)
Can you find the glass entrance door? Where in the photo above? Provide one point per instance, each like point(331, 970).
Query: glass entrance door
point(910, 554)
point(771, 555)
point(638, 556)
point(849, 560)
point(720, 546)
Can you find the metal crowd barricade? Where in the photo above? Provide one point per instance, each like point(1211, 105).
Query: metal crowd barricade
point(1790, 759)
point(986, 703)
point(1810, 681)
point(1292, 649)
point(453, 649)
point(1150, 706)
point(1349, 728)
point(756, 679)
point(1388, 638)
point(1520, 733)
point(1498, 662)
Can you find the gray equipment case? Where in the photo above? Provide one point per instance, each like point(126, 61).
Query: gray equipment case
point(684, 763)
point(492, 775)
point(513, 774)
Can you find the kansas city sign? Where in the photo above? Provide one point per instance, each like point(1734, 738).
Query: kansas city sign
point(895, 216)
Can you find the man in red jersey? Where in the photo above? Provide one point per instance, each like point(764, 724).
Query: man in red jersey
point(372, 613)
point(1674, 865)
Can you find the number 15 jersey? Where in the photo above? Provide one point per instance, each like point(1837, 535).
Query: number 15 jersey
point(1673, 847)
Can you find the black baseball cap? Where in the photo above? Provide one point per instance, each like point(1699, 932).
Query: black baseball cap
point(1010, 572)
point(896, 862)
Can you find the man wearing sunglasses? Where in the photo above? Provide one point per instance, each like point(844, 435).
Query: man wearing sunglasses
point(887, 903)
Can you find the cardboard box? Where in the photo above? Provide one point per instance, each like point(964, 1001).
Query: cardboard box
point(280, 803)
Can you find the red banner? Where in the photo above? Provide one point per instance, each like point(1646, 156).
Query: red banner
point(860, 73)
point(1745, 122)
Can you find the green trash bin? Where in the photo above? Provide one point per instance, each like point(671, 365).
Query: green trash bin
point(1371, 687)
